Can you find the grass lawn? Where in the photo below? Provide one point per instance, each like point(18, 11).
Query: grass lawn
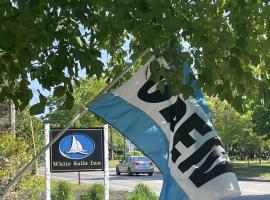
point(240, 167)
point(254, 169)
point(54, 183)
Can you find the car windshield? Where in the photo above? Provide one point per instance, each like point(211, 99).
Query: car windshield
point(140, 159)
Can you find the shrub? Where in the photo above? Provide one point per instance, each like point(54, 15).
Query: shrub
point(135, 153)
point(14, 155)
point(117, 156)
point(63, 191)
point(95, 192)
point(142, 192)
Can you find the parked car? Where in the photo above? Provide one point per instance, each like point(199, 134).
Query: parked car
point(135, 165)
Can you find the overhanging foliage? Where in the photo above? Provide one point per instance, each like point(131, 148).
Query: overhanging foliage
point(51, 40)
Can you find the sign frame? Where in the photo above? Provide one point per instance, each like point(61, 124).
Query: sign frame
point(97, 132)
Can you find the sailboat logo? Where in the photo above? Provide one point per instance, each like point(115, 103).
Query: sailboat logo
point(76, 146)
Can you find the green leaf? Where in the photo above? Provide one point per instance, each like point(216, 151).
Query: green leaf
point(69, 101)
point(241, 42)
point(78, 39)
point(59, 91)
point(27, 96)
point(236, 65)
point(37, 108)
point(2, 52)
point(255, 59)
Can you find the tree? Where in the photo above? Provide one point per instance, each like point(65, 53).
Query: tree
point(86, 90)
point(226, 120)
point(261, 121)
point(59, 115)
point(237, 131)
point(30, 128)
point(261, 125)
point(228, 44)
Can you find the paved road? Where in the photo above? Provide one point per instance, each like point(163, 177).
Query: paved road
point(251, 189)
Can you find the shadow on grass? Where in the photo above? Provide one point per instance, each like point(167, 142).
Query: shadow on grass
point(252, 171)
point(252, 197)
point(253, 179)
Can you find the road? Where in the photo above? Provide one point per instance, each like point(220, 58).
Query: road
point(251, 189)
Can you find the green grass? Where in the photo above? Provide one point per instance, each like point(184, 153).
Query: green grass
point(254, 169)
point(54, 183)
point(78, 189)
point(74, 186)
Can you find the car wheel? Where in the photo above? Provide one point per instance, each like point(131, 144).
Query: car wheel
point(117, 171)
point(150, 174)
point(129, 172)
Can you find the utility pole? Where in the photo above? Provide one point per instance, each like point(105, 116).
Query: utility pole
point(12, 116)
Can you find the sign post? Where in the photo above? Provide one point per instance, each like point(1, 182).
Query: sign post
point(79, 177)
point(106, 162)
point(47, 161)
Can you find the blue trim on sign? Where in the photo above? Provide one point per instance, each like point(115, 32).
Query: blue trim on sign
point(138, 127)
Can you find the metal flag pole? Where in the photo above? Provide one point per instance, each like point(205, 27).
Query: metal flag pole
point(106, 163)
point(68, 125)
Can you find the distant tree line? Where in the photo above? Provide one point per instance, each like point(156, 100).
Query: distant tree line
point(244, 135)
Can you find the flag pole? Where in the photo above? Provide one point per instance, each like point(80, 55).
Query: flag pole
point(67, 126)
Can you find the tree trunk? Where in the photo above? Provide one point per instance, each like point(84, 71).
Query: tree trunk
point(260, 156)
point(12, 117)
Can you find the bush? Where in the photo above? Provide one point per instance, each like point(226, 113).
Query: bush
point(95, 192)
point(117, 156)
point(14, 155)
point(142, 192)
point(135, 153)
point(63, 191)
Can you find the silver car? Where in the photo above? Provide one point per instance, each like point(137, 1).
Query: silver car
point(135, 165)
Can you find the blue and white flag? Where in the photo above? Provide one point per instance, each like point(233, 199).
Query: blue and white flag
point(176, 134)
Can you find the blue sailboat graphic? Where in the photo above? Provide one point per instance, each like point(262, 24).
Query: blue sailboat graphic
point(76, 147)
